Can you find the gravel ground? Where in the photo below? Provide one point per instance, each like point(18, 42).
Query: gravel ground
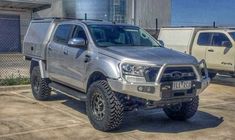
point(23, 118)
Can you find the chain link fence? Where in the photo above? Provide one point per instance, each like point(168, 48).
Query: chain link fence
point(14, 70)
point(13, 65)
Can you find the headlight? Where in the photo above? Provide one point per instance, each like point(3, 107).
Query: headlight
point(134, 70)
point(135, 73)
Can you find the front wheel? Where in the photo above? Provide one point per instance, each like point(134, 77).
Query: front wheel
point(182, 111)
point(103, 108)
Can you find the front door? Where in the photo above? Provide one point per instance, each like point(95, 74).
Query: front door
point(74, 60)
point(220, 54)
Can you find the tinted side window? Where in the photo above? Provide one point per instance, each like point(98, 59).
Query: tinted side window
point(204, 39)
point(219, 39)
point(62, 33)
point(79, 33)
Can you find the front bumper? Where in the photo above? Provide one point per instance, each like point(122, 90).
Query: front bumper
point(158, 94)
point(156, 91)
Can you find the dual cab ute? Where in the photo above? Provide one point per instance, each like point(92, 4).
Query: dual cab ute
point(215, 45)
point(113, 68)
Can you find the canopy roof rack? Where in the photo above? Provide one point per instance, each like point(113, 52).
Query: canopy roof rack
point(67, 18)
point(206, 27)
point(189, 27)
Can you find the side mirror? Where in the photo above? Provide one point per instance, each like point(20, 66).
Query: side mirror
point(77, 42)
point(161, 43)
point(227, 44)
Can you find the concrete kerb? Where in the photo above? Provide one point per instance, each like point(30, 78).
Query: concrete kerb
point(12, 88)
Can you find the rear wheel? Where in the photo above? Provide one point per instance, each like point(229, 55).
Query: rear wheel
point(182, 111)
point(103, 108)
point(40, 86)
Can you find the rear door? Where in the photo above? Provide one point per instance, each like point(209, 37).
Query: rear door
point(55, 56)
point(220, 54)
point(201, 43)
point(73, 60)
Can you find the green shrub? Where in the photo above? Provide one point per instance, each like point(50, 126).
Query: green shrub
point(13, 80)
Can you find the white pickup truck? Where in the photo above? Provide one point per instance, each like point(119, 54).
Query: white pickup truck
point(215, 45)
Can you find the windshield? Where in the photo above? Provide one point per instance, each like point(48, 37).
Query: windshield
point(232, 34)
point(117, 35)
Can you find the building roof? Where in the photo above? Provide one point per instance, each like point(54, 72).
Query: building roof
point(34, 5)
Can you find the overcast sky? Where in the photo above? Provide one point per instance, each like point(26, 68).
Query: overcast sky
point(203, 12)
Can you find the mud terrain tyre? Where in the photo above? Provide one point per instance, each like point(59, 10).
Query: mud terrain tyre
point(103, 108)
point(182, 111)
point(40, 86)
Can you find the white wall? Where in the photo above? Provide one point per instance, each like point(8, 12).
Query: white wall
point(56, 10)
point(147, 11)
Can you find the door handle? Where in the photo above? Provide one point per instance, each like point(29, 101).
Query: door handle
point(66, 52)
point(211, 50)
point(87, 58)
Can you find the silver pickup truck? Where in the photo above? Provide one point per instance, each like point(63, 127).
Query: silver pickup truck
point(113, 68)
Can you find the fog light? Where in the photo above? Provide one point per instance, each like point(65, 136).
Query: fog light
point(140, 88)
point(147, 89)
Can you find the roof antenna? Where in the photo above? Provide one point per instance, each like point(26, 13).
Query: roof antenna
point(85, 16)
point(156, 24)
point(214, 25)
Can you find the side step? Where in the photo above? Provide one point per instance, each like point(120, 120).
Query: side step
point(68, 91)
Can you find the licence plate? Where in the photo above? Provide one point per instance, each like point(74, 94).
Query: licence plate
point(182, 85)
